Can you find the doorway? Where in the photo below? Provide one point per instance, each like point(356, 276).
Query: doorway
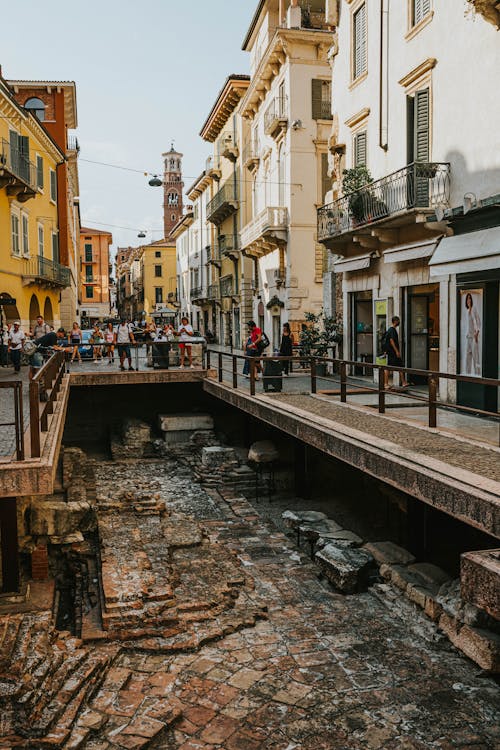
point(362, 330)
point(422, 329)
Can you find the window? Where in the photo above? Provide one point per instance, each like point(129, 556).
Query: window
point(14, 223)
point(418, 126)
point(326, 182)
point(25, 234)
point(359, 59)
point(321, 100)
point(89, 292)
point(158, 271)
point(88, 273)
point(173, 199)
point(158, 295)
point(55, 247)
point(173, 217)
point(157, 253)
point(419, 10)
point(53, 186)
point(41, 243)
point(359, 151)
point(36, 106)
point(88, 253)
point(39, 172)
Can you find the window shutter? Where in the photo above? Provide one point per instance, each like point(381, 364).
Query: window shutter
point(24, 157)
point(420, 9)
point(39, 172)
point(421, 148)
point(360, 41)
point(55, 248)
point(326, 183)
point(53, 186)
point(316, 99)
point(14, 150)
point(360, 149)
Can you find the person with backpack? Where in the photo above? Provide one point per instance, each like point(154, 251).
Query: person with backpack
point(390, 346)
point(258, 342)
point(123, 338)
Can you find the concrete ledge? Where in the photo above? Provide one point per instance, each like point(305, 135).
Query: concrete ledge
point(137, 378)
point(459, 493)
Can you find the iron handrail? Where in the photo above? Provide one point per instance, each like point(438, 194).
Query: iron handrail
point(17, 387)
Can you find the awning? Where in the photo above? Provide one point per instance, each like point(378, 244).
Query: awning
point(412, 251)
point(353, 264)
point(465, 253)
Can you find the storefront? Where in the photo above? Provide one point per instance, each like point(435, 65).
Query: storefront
point(421, 327)
point(362, 329)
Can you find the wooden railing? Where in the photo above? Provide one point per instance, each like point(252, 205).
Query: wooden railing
point(43, 391)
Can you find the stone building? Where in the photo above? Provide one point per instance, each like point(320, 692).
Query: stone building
point(422, 239)
point(95, 303)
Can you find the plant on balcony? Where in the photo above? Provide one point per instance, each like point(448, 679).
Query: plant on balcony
point(320, 333)
point(353, 183)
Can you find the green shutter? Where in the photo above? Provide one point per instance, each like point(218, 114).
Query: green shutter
point(360, 149)
point(359, 42)
point(24, 157)
point(421, 148)
point(53, 185)
point(55, 248)
point(39, 172)
point(326, 183)
point(316, 98)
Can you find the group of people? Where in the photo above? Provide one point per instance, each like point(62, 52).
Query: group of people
point(13, 340)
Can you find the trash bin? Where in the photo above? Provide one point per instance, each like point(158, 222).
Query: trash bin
point(273, 375)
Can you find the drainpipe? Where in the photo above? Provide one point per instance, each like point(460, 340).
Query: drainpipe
point(383, 103)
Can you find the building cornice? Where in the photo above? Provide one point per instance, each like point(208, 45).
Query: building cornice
point(418, 72)
point(228, 99)
point(358, 117)
point(67, 87)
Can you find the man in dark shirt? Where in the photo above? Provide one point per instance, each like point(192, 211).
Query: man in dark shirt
point(48, 341)
point(393, 352)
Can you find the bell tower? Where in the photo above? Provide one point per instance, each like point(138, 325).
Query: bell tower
point(172, 189)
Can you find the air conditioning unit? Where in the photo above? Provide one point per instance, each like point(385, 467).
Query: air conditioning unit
point(278, 278)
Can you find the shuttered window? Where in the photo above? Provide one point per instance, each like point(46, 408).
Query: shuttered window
point(326, 183)
point(55, 247)
point(53, 186)
point(39, 172)
point(41, 243)
point(420, 8)
point(359, 62)
point(421, 128)
point(25, 233)
point(321, 99)
point(14, 223)
point(360, 140)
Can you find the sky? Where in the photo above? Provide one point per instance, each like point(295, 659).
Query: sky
point(147, 73)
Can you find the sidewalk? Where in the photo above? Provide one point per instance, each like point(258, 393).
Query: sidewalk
point(7, 434)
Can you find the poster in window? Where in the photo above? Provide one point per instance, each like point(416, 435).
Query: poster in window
point(471, 332)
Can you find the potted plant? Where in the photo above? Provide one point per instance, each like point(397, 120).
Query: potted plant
point(353, 182)
point(318, 335)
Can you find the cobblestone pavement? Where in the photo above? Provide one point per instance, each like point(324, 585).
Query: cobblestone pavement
point(259, 652)
point(7, 434)
point(470, 456)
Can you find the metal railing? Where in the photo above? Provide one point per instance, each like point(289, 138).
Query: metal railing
point(43, 390)
point(228, 193)
point(420, 185)
point(226, 243)
point(339, 375)
point(12, 160)
point(72, 143)
point(226, 286)
point(16, 387)
point(197, 292)
point(251, 151)
point(276, 113)
point(213, 292)
point(47, 270)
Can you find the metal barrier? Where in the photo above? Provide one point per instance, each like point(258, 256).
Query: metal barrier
point(339, 375)
point(17, 387)
point(43, 390)
point(143, 354)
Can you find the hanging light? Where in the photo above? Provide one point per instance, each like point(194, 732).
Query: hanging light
point(155, 181)
point(142, 234)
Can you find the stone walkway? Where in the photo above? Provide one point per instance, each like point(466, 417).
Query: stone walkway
point(257, 652)
point(7, 434)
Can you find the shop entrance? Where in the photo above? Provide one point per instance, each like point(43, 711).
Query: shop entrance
point(362, 330)
point(422, 329)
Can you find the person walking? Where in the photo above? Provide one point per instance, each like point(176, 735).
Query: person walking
point(4, 346)
point(255, 347)
point(75, 338)
point(96, 341)
point(286, 348)
point(185, 334)
point(247, 352)
point(123, 338)
point(109, 340)
point(41, 328)
point(16, 341)
point(393, 352)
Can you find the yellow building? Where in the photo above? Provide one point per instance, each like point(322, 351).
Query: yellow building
point(30, 268)
point(158, 275)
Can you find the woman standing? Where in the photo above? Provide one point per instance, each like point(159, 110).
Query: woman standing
point(109, 337)
point(286, 348)
point(76, 340)
point(96, 343)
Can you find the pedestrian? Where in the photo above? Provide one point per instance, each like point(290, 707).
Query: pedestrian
point(286, 348)
point(247, 352)
point(161, 348)
point(75, 338)
point(123, 338)
point(185, 334)
point(393, 351)
point(4, 346)
point(255, 348)
point(96, 341)
point(109, 338)
point(41, 328)
point(16, 341)
point(49, 341)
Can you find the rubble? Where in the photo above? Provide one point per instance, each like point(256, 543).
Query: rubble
point(346, 569)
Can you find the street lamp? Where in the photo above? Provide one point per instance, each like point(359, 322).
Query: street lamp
point(142, 234)
point(155, 181)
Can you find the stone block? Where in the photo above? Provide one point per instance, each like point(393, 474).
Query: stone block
point(480, 580)
point(216, 456)
point(182, 422)
point(313, 531)
point(430, 574)
point(342, 538)
point(389, 553)
point(482, 646)
point(293, 518)
point(346, 569)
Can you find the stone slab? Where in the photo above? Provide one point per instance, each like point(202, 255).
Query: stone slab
point(185, 422)
point(215, 456)
point(482, 646)
point(263, 452)
point(346, 569)
point(293, 518)
point(389, 553)
point(480, 580)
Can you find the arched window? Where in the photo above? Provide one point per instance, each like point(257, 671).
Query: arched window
point(36, 106)
point(173, 199)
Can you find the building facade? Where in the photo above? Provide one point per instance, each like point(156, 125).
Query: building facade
point(157, 279)
point(31, 271)
point(413, 224)
point(95, 303)
point(173, 188)
point(54, 104)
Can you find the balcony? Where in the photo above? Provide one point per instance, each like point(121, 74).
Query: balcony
point(17, 173)
point(224, 203)
point(212, 168)
point(46, 273)
point(395, 200)
point(213, 293)
point(198, 295)
point(227, 286)
point(227, 246)
point(251, 155)
point(72, 144)
point(267, 232)
point(276, 117)
point(89, 280)
point(213, 255)
point(228, 146)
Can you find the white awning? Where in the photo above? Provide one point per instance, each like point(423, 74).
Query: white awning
point(412, 251)
point(353, 264)
point(465, 253)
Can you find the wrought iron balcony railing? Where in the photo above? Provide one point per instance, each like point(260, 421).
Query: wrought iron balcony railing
point(15, 166)
point(226, 244)
point(224, 202)
point(196, 292)
point(276, 116)
point(251, 154)
point(46, 271)
point(226, 286)
point(418, 186)
point(213, 292)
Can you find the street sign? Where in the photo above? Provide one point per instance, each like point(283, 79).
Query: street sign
point(6, 301)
